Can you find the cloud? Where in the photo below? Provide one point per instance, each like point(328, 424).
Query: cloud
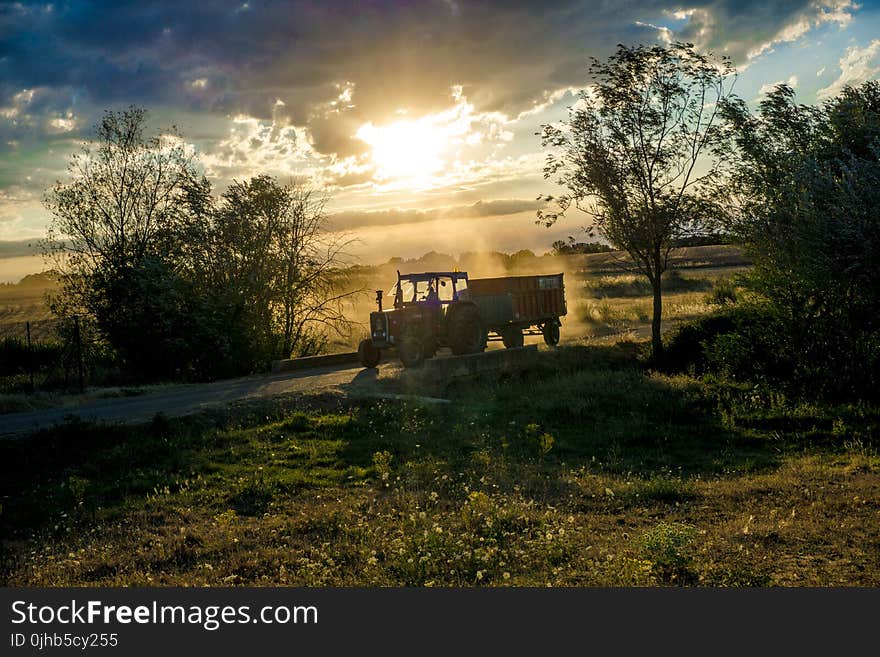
point(857, 65)
point(347, 220)
point(286, 88)
point(271, 146)
point(747, 29)
point(770, 86)
point(340, 64)
point(664, 34)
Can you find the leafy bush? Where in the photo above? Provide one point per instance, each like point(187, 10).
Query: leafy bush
point(723, 292)
point(742, 342)
point(667, 546)
point(809, 181)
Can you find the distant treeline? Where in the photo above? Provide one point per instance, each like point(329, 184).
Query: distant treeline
point(572, 247)
point(44, 279)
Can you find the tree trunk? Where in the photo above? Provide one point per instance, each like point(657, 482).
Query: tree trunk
point(656, 341)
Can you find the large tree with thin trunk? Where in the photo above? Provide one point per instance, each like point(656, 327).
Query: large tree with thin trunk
point(115, 236)
point(634, 153)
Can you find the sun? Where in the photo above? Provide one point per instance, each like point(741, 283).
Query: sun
point(405, 150)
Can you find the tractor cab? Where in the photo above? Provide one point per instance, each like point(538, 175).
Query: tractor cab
point(429, 288)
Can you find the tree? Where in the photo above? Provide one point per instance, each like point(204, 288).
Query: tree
point(182, 284)
point(806, 186)
point(310, 280)
point(123, 203)
point(632, 153)
point(115, 232)
point(570, 247)
point(273, 266)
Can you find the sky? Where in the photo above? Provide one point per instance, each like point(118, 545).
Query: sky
point(418, 119)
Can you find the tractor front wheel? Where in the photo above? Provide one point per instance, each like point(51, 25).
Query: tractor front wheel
point(369, 355)
point(551, 332)
point(466, 332)
point(410, 351)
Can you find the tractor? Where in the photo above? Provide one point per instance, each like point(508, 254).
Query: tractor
point(444, 309)
point(431, 310)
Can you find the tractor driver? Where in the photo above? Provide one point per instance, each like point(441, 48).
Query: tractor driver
point(432, 296)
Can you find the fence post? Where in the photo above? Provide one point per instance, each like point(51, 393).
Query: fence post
point(30, 358)
point(78, 344)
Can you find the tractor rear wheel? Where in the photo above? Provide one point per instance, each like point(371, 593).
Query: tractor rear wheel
point(551, 332)
point(410, 351)
point(466, 332)
point(512, 337)
point(369, 355)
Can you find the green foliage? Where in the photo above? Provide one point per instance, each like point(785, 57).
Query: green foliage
point(809, 183)
point(571, 247)
point(668, 547)
point(181, 285)
point(382, 465)
point(16, 358)
point(539, 442)
point(253, 495)
point(743, 342)
point(723, 292)
point(628, 152)
point(114, 236)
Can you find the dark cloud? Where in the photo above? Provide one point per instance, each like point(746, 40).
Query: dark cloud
point(348, 220)
point(224, 58)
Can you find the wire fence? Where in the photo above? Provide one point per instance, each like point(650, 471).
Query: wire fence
point(56, 360)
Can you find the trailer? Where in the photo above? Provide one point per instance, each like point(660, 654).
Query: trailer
point(515, 306)
point(436, 310)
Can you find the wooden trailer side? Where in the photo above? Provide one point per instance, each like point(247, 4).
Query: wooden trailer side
point(519, 299)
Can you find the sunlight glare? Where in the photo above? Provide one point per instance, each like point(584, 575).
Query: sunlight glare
point(405, 150)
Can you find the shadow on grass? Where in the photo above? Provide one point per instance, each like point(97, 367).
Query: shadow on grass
point(80, 469)
point(588, 409)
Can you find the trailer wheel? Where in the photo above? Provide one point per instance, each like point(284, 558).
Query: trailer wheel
point(512, 337)
point(410, 351)
point(466, 332)
point(551, 332)
point(368, 355)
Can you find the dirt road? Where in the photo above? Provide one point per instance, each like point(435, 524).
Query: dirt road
point(188, 399)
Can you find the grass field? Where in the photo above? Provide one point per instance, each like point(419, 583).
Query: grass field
point(584, 471)
point(26, 302)
point(605, 300)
